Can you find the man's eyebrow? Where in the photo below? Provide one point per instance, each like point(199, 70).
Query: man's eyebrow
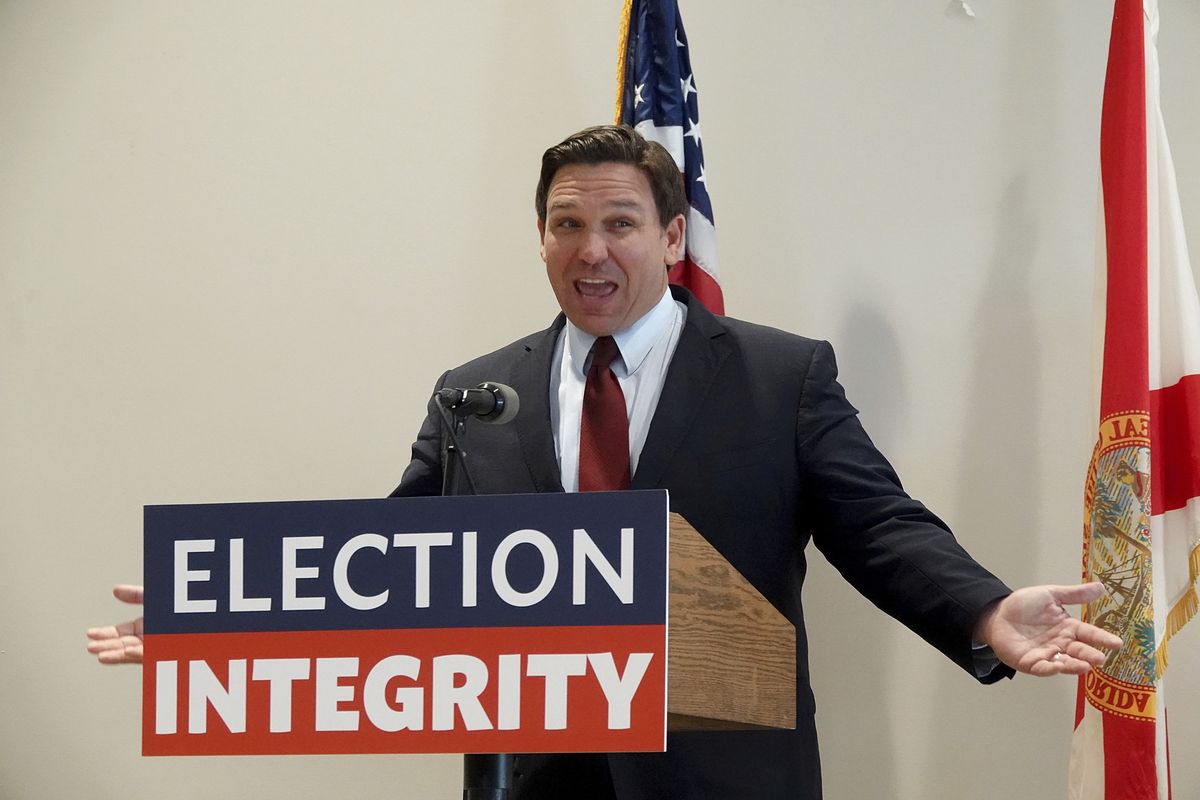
point(556, 205)
point(570, 204)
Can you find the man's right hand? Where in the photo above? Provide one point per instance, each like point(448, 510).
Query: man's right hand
point(119, 644)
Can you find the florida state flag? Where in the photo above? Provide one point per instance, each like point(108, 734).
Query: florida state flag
point(1142, 495)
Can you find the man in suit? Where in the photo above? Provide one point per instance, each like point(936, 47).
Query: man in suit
point(748, 429)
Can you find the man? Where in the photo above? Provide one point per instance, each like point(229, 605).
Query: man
point(748, 429)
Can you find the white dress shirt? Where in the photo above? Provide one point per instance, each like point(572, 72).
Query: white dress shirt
point(646, 348)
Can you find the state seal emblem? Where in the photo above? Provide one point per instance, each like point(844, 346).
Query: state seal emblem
point(1117, 553)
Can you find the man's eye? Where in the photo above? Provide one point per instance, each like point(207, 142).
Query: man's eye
point(567, 223)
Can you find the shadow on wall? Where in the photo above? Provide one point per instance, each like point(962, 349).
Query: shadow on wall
point(852, 696)
point(867, 346)
point(999, 480)
point(1000, 486)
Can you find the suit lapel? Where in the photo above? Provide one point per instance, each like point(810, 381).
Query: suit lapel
point(698, 357)
point(697, 360)
point(531, 379)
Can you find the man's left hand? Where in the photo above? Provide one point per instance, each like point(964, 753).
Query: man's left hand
point(1031, 631)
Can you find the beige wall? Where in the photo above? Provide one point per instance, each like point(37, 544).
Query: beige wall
point(228, 229)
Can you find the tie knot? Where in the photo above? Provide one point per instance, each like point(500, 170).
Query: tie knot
point(604, 352)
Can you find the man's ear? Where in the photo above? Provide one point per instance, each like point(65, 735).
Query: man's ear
point(541, 238)
point(676, 233)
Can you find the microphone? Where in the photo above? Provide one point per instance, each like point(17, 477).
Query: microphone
point(493, 403)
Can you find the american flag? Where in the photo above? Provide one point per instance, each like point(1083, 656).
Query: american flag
point(656, 94)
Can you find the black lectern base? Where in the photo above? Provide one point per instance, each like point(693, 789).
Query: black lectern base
point(487, 776)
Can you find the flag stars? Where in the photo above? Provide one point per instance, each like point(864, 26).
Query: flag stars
point(687, 87)
point(693, 131)
point(637, 94)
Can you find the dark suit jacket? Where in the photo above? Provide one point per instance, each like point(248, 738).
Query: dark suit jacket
point(760, 451)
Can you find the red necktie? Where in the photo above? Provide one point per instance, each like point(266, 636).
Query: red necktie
point(604, 428)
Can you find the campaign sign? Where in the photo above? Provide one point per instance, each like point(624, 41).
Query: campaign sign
point(496, 624)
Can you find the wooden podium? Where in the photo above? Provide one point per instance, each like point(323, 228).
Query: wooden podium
point(731, 656)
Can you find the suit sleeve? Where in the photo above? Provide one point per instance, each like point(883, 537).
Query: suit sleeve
point(887, 545)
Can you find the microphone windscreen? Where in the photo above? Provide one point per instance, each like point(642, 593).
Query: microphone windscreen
point(507, 403)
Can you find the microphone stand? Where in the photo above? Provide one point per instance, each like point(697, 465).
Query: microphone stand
point(486, 776)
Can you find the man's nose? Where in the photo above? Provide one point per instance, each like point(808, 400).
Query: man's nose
point(594, 247)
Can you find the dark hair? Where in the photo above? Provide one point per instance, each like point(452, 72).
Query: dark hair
point(618, 144)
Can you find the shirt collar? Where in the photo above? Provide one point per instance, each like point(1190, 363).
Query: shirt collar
point(634, 342)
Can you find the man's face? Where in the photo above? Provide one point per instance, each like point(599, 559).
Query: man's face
point(606, 253)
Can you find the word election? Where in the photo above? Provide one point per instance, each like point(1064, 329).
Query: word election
point(304, 562)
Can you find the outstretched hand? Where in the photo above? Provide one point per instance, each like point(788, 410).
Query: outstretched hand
point(1032, 632)
point(119, 644)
